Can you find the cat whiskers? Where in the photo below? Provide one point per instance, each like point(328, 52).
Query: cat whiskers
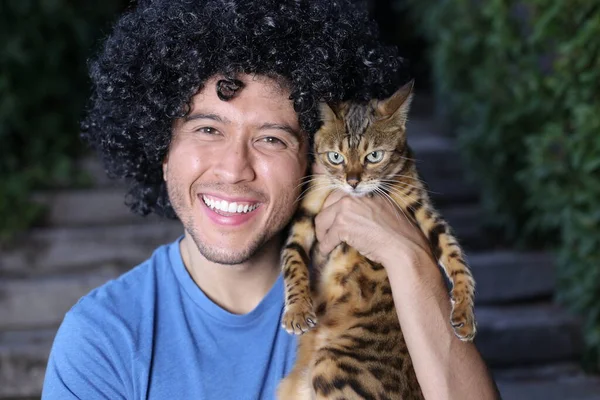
point(410, 159)
point(402, 196)
point(397, 191)
point(318, 186)
point(414, 178)
point(409, 207)
point(389, 199)
point(306, 180)
point(392, 190)
point(396, 182)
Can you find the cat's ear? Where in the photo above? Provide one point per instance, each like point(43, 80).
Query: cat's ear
point(397, 105)
point(329, 112)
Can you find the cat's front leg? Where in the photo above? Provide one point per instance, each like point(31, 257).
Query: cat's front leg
point(451, 258)
point(299, 315)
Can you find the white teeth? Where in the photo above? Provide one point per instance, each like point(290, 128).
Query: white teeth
point(228, 207)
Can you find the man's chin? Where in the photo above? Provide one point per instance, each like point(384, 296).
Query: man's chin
point(226, 256)
point(233, 252)
point(226, 259)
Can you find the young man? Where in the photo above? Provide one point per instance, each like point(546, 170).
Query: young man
point(208, 109)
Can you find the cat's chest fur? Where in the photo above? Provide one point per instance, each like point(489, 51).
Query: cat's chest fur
point(346, 286)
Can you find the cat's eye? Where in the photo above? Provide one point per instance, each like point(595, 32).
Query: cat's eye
point(375, 156)
point(335, 158)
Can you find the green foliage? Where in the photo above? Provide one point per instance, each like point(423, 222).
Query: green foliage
point(562, 173)
point(43, 89)
point(520, 81)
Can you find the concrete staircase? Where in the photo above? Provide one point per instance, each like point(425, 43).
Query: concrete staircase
point(89, 237)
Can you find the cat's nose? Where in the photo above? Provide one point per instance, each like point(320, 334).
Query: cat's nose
point(352, 182)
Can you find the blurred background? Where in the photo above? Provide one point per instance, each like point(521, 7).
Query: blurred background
point(506, 128)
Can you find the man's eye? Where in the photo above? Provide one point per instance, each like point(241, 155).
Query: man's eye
point(208, 130)
point(273, 140)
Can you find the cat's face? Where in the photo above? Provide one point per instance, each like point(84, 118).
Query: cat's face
point(362, 147)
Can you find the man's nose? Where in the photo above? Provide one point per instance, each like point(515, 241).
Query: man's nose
point(235, 164)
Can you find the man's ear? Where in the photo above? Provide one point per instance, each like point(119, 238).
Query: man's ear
point(397, 105)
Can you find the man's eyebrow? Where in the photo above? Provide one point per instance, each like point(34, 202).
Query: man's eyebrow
point(200, 115)
point(284, 127)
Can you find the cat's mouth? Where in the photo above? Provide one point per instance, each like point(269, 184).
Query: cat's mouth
point(358, 191)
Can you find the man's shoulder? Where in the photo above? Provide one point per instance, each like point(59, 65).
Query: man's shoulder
point(128, 292)
point(94, 346)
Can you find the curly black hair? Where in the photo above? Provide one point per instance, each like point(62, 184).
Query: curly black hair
point(160, 53)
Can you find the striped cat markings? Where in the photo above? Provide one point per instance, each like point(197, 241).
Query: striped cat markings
point(352, 346)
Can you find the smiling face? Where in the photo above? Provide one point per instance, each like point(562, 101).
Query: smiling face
point(233, 168)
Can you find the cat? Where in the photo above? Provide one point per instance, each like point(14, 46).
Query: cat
point(352, 346)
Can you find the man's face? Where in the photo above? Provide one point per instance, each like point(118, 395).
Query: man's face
point(234, 167)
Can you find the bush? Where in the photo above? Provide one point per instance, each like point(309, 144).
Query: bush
point(520, 81)
point(562, 172)
point(43, 89)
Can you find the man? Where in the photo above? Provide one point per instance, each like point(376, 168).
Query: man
point(208, 109)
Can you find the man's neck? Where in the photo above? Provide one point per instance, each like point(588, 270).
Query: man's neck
point(236, 288)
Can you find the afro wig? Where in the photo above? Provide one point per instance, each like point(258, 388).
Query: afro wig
point(160, 53)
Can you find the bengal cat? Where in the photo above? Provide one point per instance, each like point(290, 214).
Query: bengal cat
point(352, 346)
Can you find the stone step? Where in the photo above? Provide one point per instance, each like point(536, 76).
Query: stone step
point(531, 334)
point(76, 249)
point(85, 207)
point(511, 276)
point(94, 168)
point(442, 168)
point(467, 224)
point(554, 381)
point(23, 358)
point(39, 302)
point(581, 388)
point(541, 372)
point(510, 336)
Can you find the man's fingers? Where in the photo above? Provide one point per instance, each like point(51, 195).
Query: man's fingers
point(326, 217)
point(323, 222)
point(328, 242)
point(333, 198)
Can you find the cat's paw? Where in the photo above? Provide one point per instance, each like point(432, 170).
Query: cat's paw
point(298, 319)
point(462, 319)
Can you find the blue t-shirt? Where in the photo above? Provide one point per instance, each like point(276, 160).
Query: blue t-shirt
point(153, 334)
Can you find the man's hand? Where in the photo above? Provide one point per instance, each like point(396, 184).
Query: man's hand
point(372, 225)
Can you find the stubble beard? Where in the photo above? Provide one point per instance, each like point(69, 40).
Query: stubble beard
point(226, 256)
